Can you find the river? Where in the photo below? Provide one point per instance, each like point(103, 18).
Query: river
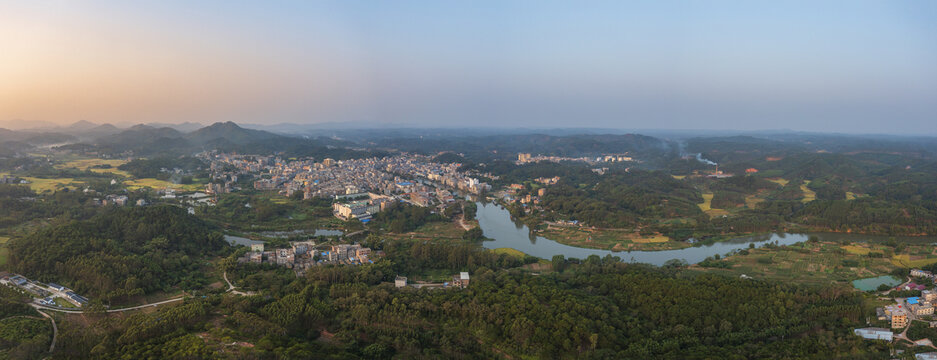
point(496, 224)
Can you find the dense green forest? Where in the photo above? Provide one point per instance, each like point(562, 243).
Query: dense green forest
point(120, 253)
point(601, 308)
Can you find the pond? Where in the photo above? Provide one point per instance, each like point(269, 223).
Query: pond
point(496, 224)
point(237, 240)
point(873, 283)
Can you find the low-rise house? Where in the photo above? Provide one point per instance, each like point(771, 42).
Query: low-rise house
point(921, 273)
point(926, 356)
point(922, 309)
point(57, 287)
point(461, 280)
point(929, 296)
point(400, 281)
point(872, 333)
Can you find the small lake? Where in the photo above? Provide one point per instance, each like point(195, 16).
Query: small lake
point(238, 240)
point(873, 283)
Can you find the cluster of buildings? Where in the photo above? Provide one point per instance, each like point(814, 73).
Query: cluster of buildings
point(366, 205)
point(902, 312)
point(523, 158)
point(46, 293)
point(386, 176)
point(302, 255)
point(12, 180)
point(460, 280)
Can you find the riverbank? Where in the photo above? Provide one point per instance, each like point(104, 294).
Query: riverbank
point(615, 240)
point(822, 263)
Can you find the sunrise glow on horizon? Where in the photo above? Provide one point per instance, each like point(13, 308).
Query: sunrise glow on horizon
point(801, 65)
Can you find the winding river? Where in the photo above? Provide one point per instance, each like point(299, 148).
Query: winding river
point(496, 224)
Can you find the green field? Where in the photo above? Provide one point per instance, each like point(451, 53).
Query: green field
point(509, 251)
point(88, 163)
point(610, 239)
point(911, 262)
point(810, 263)
point(136, 184)
point(63, 303)
point(4, 255)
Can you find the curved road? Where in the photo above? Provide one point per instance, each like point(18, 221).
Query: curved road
point(43, 307)
point(55, 330)
point(231, 288)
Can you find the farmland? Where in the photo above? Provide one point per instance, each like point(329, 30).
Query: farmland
point(822, 263)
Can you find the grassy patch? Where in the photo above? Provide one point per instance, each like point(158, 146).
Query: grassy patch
point(63, 303)
point(4, 239)
point(779, 181)
point(857, 250)
point(751, 201)
point(43, 185)
point(809, 263)
point(87, 164)
point(4, 256)
point(509, 251)
point(707, 202)
point(678, 177)
point(908, 261)
point(809, 195)
point(652, 239)
point(610, 239)
point(160, 184)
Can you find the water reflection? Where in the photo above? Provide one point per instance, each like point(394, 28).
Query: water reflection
point(496, 224)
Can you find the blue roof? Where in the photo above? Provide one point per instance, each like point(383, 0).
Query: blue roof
point(912, 300)
point(405, 183)
point(54, 285)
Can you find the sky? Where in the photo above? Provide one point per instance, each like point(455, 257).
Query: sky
point(833, 66)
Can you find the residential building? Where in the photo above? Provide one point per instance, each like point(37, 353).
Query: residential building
point(461, 280)
point(400, 281)
point(872, 333)
point(922, 309)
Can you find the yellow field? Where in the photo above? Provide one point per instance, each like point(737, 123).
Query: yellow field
point(653, 239)
point(706, 206)
point(42, 185)
point(751, 201)
point(857, 250)
point(86, 164)
point(136, 184)
point(4, 239)
point(679, 177)
point(905, 261)
point(707, 202)
point(809, 195)
point(509, 251)
point(779, 181)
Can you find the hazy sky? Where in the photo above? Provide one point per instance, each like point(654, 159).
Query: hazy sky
point(849, 66)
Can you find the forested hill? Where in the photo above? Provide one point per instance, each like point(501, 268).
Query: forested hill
point(509, 145)
point(143, 140)
point(121, 252)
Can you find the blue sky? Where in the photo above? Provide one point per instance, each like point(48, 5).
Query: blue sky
point(846, 66)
